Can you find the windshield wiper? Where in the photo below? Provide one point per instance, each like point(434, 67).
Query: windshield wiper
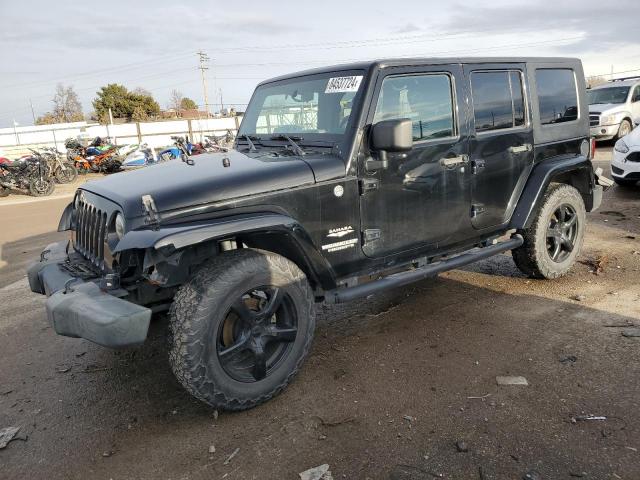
point(249, 138)
point(296, 148)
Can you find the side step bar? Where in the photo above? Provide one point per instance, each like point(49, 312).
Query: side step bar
point(430, 270)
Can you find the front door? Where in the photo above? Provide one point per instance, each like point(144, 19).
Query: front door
point(635, 105)
point(422, 198)
point(501, 143)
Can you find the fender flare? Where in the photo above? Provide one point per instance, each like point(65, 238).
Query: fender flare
point(577, 169)
point(174, 237)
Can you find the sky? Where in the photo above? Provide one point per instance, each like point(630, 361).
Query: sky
point(153, 43)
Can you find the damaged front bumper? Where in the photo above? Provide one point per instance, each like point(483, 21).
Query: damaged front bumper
point(82, 308)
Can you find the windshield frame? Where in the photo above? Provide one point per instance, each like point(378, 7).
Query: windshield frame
point(594, 91)
point(308, 138)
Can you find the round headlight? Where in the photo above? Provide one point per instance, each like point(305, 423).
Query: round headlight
point(119, 223)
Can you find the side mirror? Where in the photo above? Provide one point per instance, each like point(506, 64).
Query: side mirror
point(390, 136)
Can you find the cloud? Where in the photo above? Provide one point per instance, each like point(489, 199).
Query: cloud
point(408, 28)
point(600, 27)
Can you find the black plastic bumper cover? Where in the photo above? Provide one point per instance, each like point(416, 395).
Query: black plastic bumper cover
point(78, 308)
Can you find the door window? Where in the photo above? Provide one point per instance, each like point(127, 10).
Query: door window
point(557, 96)
point(426, 100)
point(498, 102)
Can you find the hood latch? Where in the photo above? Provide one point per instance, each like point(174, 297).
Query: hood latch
point(152, 215)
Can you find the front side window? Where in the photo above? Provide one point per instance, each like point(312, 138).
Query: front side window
point(426, 100)
point(317, 107)
point(498, 101)
point(636, 94)
point(557, 95)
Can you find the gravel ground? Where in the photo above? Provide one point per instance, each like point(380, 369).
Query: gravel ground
point(390, 386)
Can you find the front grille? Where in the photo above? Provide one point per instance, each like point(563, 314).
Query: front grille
point(594, 119)
point(616, 170)
point(633, 157)
point(91, 231)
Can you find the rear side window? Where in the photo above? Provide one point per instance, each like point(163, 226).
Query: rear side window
point(498, 102)
point(557, 95)
point(426, 100)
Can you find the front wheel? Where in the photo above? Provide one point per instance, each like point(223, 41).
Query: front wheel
point(41, 187)
point(554, 240)
point(624, 129)
point(241, 328)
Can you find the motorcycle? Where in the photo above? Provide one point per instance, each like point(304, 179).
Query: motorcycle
point(97, 157)
point(140, 157)
point(32, 174)
point(63, 172)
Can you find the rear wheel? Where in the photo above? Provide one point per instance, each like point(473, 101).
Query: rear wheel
point(554, 239)
point(241, 328)
point(66, 175)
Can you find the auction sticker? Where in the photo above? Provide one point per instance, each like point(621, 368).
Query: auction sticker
point(343, 84)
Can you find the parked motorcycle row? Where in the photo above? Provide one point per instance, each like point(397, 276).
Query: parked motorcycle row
point(39, 171)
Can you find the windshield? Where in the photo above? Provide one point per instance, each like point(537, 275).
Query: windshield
point(608, 95)
point(315, 107)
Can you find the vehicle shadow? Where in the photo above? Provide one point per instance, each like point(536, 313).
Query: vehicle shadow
point(15, 257)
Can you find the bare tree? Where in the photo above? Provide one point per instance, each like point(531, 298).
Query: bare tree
point(595, 80)
point(66, 105)
point(142, 91)
point(175, 101)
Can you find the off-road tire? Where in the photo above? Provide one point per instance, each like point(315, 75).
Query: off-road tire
point(625, 183)
point(200, 305)
point(4, 192)
point(532, 258)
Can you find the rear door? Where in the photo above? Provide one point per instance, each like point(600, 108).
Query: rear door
point(501, 142)
point(422, 198)
point(635, 105)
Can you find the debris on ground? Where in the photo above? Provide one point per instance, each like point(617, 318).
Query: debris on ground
point(215, 414)
point(532, 475)
point(578, 474)
point(631, 332)
point(334, 423)
point(409, 418)
point(461, 446)
point(212, 449)
point(7, 434)
point(584, 418)
point(568, 359)
point(482, 397)
point(579, 298)
point(108, 454)
point(63, 369)
point(507, 380)
point(317, 473)
point(230, 457)
point(597, 265)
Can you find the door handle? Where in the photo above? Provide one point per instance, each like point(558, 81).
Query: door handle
point(454, 161)
point(521, 148)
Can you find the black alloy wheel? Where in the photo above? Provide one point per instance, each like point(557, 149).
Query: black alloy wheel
point(257, 334)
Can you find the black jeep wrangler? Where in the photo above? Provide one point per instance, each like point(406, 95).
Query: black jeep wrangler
point(342, 181)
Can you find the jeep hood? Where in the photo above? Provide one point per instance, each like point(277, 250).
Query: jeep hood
point(175, 184)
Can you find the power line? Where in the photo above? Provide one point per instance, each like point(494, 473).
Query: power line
point(204, 60)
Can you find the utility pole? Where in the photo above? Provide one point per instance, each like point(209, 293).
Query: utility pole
point(33, 114)
point(204, 59)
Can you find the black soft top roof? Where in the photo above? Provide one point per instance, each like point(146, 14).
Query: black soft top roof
point(402, 62)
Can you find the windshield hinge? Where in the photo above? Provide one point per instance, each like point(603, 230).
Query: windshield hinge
point(368, 185)
point(152, 216)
